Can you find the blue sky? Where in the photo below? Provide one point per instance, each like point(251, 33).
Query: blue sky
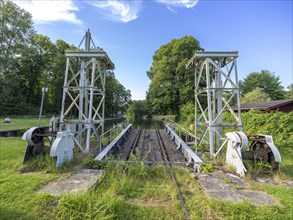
point(131, 31)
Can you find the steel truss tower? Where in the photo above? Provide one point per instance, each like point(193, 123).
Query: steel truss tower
point(83, 102)
point(216, 87)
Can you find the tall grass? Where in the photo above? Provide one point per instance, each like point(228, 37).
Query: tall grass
point(19, 199)
point(86, 206)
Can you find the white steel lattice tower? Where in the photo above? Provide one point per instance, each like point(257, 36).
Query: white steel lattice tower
point(83, 102)
point(216, 87)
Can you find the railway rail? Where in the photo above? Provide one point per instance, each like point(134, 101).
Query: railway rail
point(127, 150)
point(153, 147)
point(167, 157)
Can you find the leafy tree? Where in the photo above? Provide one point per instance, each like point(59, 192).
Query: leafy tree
point(16, 27)
point(138, 109)
point(187, 113)
point(16, 30)
point(56, 76)
point(35, 68)
point(256, 95)
point(171, 84)
point(289, 93)
point(265, 80)
point(117, 97)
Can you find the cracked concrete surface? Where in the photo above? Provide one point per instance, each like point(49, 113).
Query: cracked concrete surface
point(215, 186)
point(78, 182)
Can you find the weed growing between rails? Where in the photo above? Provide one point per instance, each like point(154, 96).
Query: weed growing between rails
point(206, 166)
point(145, 193)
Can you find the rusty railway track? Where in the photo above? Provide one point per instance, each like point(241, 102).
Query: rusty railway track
point(130, 148)
point(168, 165)
point(134, 144)
point(161, 153)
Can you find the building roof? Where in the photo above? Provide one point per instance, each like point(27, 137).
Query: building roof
point(264, 105)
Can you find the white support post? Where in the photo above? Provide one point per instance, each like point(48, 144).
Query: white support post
point(85, 80)
point(219, 104)
point(210, 110)
point(210, 70)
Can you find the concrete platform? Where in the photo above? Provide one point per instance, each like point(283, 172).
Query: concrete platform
point(257, 197)
point(215, 187)
point(79, 182)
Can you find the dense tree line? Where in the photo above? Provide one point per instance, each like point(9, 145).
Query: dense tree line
point(138, 109)
point(30, 61)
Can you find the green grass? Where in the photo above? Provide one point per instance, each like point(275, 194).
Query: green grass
point(17, 192)
point(144, 192)
point(22, 123)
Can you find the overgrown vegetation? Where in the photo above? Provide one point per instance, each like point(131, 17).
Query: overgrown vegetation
point(144, 192)
point(277, 124)
point(31, 61)
point(138, 109)
point(206, 166)
point(17, 192)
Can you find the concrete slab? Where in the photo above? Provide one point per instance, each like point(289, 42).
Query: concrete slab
point(271, 180)
point(215, 187)
point(257, 197)
point(79, 182)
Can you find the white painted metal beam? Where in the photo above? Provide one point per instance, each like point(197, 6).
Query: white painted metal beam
point(85, 80)
point(189, 154)
point(215, 75)
point(108, 149)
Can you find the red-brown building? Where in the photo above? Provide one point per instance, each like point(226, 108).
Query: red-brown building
point(277, 105)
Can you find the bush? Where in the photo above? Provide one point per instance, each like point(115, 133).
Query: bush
point(187, 112)
point(90, 163)
point(277, 124)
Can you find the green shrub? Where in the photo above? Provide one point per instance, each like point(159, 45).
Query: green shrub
point(187, 113)
point(90, 163)
point(277, 124)
point(206, 167)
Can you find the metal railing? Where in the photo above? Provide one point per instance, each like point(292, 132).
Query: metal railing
point(188, 136)
point(113, 132)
